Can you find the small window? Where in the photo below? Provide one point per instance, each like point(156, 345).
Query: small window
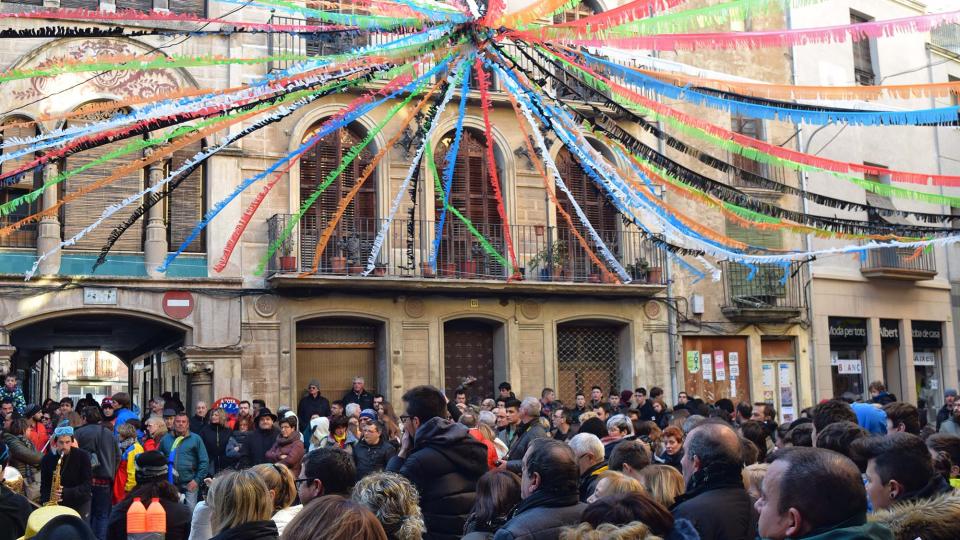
point(863, 67)
point(954, 94)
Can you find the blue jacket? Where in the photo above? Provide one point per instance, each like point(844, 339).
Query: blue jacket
point(871, 418)
point(190, 460)
point(122, 415)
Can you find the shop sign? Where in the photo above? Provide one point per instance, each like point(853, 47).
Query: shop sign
point(890, 332)
point(849, 367)
point(925, 358)
point(847, 332)
point(927, 334)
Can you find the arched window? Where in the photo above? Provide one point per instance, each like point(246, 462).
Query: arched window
point(26, 237)
point(356, 230)
point(471, 194)
point(78, 213)
point(598, 209)
point(186, 204)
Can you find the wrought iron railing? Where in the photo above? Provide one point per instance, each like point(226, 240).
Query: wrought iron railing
point(946, 36)
point(547, 254)
point(899, 260)
point(765, 286)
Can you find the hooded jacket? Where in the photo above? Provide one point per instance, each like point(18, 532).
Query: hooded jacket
point(215, 438)
point(861, 531)
point(190, 460)
point(23, 456)
point(936, 518)
point(445, 464)
point(98, 440)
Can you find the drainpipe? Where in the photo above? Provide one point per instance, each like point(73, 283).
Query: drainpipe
point(807, 240)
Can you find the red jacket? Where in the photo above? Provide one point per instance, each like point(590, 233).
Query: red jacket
point(39, 436)
point(492, 458)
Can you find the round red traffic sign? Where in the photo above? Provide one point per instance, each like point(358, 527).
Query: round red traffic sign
point(178, 304)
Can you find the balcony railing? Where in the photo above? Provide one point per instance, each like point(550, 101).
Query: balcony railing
point(899, 263)
point(946, 36)
point(769, 293)
point(544, 254)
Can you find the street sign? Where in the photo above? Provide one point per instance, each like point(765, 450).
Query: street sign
point(177, 304)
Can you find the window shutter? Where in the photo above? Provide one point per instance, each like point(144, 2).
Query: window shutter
point(80, 4)
point(771, 239)
point(188, 7)
point(592, 200)
point(26, 236)
point(185, 205)
point(78, 213)
point(138, 5)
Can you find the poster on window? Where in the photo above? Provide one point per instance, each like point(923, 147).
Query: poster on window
point(734, 361)
point(924, 358)
point(849, 367)
point(693, 361)
point(721, 370)
point(706, 360)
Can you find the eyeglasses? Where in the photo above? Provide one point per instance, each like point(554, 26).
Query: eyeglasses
point(299, 481)
point(404, 418)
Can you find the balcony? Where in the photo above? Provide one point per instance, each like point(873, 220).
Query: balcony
point(764, 297)
point(549, 259)
point(899, 263)
point(947, 37)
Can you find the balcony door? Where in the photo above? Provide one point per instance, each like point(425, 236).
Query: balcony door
point(599, 211)
point(472, 195)
point(356, 230)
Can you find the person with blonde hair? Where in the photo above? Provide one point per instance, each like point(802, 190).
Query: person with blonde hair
point(332, 517)
point(242, 507)
point(155, 430)
point(753, 479)
point(280, 483)
point(396, 503)
point(615, 483)
point(608, 531)
point(663, 483)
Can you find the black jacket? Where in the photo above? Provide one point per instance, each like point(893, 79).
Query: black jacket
point(75, 476)
point(527, 433)
point(445, 464)
point(541, 516)
point(589, 480)
point(310, 406)
point(197, 423)
point(943, 415)
point(98, 440)
point(884, 398)
point(14, 511)
point(257, 444)
point(371, 459)
point(364, 400)
point(178, 520)
point(215, 438)
point(253, 530)
point(717, 504)
point(673, 461)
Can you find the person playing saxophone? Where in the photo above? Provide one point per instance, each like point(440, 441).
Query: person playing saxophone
point(65, 475)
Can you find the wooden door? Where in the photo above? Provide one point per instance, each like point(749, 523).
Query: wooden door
point(334, 353)
point(716, 367)
point(468, 352)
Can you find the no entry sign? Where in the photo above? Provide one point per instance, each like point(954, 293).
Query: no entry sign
point(178, 304)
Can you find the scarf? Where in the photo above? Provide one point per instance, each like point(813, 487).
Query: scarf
point(341, 441)
point(283, 441)
point(711, 477)
point(126, 443)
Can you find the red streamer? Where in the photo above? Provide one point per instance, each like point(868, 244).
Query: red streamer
point(484, 81)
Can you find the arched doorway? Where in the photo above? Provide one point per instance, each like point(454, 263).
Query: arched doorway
point(334, 350)
point(592, 353)
point(62, 355)
point(473, 347)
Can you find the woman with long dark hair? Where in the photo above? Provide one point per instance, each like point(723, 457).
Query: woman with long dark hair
point(498, 491)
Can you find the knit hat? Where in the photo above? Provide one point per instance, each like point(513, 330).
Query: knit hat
point(169, 412)
point(108, 402)
point(44, 515)
point(625, 396)
point(313, 382)
point(951, 392)
point(369, 413)
point(151, 464)
point(31, 410)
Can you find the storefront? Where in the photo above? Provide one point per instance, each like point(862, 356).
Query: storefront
point(848, 347)
point(890, 353)
point(927, 351)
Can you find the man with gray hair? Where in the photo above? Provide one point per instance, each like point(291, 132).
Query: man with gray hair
point(528, 430)
point(715, 501)
point(588, 450)
point(358, 394)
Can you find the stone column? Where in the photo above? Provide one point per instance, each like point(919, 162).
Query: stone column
point(48, 232)
point(6, 355)
point(155, 246)
point(201, 365)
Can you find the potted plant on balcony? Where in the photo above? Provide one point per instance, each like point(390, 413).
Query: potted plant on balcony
point(288, 261)
point(352, 247)
point(638, 270)
point(550, 261)
point(470, 267)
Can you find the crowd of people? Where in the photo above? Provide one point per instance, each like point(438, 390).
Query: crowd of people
point(621, 465)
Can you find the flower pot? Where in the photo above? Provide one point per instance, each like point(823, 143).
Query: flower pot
point(426, 270)
point(654, 274)
point(469, 269)
point(356, 269)
point(609, 278)
point(593, 278)
point(448, 270)
point(338, 265)
point(380, 271)
point(288, 263)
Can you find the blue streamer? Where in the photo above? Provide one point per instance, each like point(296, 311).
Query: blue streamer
point(323, 132)
point(772, 112)
point(452, 159)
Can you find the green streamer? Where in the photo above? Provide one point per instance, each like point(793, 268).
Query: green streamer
point(366, 22)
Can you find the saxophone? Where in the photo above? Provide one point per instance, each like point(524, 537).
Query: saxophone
point(55, 484)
